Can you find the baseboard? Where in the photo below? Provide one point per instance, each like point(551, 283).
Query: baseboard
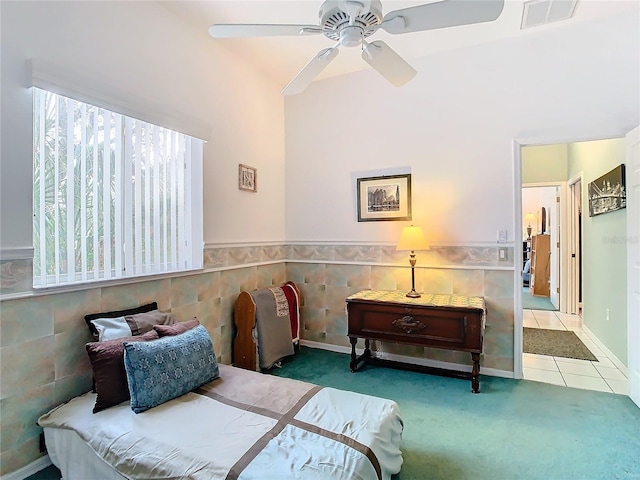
point(28, 470)
point(492, 372)
point(329, 347)
point(607, 352)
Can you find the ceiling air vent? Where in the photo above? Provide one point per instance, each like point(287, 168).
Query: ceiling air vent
point(541, 12)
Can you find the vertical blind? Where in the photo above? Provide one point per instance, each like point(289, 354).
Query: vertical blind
point(112, 195)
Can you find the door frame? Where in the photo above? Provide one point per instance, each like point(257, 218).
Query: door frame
point(517, 144)
point(573, 276)
point(632, 159)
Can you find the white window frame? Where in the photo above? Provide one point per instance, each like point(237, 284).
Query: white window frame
point(130, 258)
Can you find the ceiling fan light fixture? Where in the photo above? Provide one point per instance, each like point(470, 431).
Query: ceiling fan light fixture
point(351, 36)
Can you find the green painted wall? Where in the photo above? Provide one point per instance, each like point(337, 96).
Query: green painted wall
point(604, 248)
point(544, 163)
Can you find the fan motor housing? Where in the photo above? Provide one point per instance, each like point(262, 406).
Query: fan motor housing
point(334, 19)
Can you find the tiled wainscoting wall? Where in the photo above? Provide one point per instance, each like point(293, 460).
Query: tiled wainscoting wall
point(42, 336)
point(326, 275)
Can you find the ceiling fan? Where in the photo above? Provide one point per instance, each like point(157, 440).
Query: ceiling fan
point(349, 22)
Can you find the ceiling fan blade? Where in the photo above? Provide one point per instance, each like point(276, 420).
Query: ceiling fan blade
point(388, 63)
point(310, 71)
point(257, 30)
point(446, 13)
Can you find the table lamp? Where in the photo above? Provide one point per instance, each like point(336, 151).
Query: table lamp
point(412, 239)
point(529, 217)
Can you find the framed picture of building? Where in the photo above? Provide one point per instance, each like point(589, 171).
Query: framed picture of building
point(607, 193)
point(384, 198)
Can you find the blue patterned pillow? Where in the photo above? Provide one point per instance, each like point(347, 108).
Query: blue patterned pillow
point(169, 367)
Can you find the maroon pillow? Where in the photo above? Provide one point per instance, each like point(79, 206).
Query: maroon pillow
point(176, 328)
point(109, 375)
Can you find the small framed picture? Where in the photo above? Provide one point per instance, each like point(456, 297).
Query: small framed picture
point(384, 198)
point(247, 178)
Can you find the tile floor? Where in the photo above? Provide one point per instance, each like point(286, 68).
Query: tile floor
point(602, 375)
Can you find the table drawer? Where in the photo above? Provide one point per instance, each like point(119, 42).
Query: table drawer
point(417, 326)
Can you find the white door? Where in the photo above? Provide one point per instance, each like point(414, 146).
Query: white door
point(633, 262)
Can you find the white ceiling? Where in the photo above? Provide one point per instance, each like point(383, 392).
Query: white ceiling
point(282, 57)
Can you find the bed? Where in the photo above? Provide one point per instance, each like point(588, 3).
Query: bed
point(240, 425)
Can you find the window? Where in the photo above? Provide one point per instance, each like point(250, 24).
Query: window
point(113, 195)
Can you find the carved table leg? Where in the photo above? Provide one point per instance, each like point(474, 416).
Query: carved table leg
point(353, 365)
point(475, 373)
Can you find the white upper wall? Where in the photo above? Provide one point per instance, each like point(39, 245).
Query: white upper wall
point(453, 126)
point(145, 52)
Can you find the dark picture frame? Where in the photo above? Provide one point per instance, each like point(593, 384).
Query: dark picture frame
point(608, 193)
point(247, 178)
point(385, 198)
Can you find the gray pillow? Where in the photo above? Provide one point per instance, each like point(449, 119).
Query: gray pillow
point(117, 313)
point(130, 325)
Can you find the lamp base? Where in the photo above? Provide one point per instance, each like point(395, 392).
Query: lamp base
point(413, 294)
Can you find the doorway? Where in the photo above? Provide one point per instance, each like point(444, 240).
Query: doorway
point(541, 211)
point(590, 160)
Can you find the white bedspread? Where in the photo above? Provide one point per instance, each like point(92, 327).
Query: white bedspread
point(245, 425)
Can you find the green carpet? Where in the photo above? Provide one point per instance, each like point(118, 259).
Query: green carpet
point(513, 429)
point(530, 302)
point(556, 343)
point(49, 473)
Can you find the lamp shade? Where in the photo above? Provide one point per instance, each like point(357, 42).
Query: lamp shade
point(530, 217)
point(412, 238)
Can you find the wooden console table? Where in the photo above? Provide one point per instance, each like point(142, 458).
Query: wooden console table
point(450, 322)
